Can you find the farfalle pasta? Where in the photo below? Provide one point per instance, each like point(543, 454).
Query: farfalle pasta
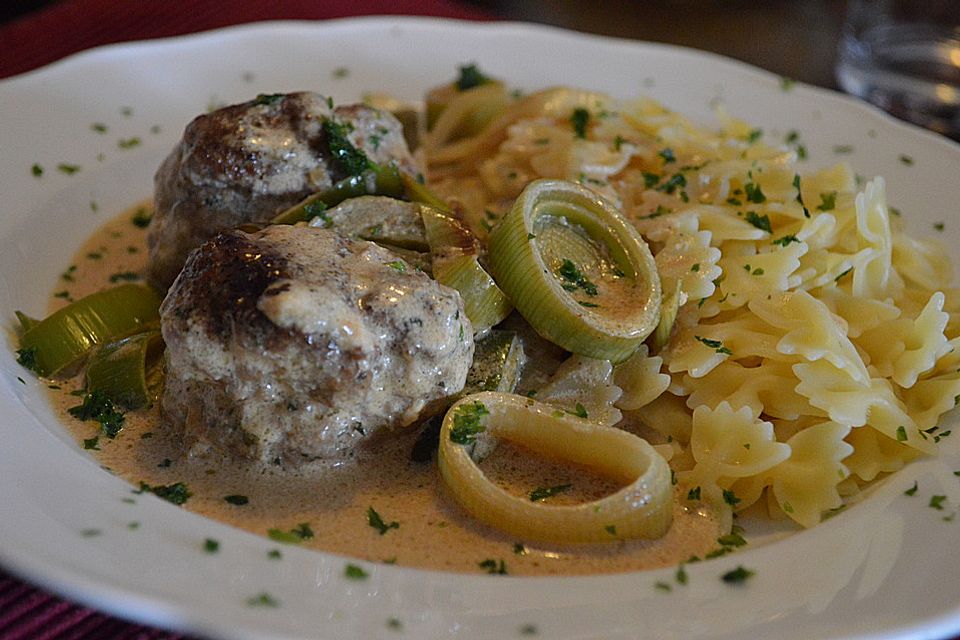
point(813, 346)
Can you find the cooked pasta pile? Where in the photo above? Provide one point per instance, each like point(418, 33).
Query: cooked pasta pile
point(813, 347)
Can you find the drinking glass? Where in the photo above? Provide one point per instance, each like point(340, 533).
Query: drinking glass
point(904, 56)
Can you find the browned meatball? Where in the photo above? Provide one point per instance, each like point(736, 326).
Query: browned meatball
point(247, 162)
point(295, 343)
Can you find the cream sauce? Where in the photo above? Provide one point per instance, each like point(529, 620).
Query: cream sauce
point(433, 533)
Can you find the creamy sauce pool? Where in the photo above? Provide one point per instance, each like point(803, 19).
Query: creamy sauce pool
point(432, 532)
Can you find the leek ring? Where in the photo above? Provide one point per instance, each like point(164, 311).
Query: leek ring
point(642, 509)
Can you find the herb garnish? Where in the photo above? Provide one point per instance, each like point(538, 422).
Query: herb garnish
point(912, 490)
point(267, 98)
point(693, 494)
point(785, 240)
point(936, 502)
point(575, 279)
point(754, 193)
point(128, 143)
point(470, 77)
point(901, 434)
point(760, 222)
point(36, 170)
point(236, 499)
point(579, 119)
point(667, 155)
point(397, 265)
point(176, 493)
point(493, 567)
point(716, 345)
point(263, 600)
point(542, 493)
point(579, 410)
point(295, 536)
point(97, 406)
point(466, 422)
point(355, 572)
point(27, 358)
point(353, 161)
point(211, 546)
point(375, 521)
point(141, 219)
point(737, 576)
point(827, 201)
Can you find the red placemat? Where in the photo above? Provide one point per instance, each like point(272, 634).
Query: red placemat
point(74, 25)
point(67, 27)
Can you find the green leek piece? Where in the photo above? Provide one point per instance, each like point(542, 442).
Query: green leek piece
point(455, 252)
point(668, 317)
point(452, 115)
point(416, 191)
point(378, 180)
point(65, 337)
point(386, 221)
point(125, 370)
point(577, 271)
point(497, 363)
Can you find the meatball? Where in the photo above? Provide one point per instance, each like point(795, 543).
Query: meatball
point(293, 344)
point(248, 162)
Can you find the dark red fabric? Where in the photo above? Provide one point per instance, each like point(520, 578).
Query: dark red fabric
point(27, 613)
point(73, 25)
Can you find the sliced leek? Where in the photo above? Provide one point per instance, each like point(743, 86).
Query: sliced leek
point(65, 337)
point(125, 370)
point(464, 113)
point(641, 509)
point(454, 260)
point(576, 270)
point(386, 221)
point(383, 180)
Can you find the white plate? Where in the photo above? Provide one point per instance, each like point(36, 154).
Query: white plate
point(885, 568)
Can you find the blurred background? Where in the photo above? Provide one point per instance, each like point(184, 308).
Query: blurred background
point(794, 38)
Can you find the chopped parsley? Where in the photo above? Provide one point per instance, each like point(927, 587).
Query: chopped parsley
point(27, 358)
point(267, 98)
point(467, 424)
point(787, 84)
point(611, 529)
point(681, 575)
point(341, 72)
point(493, 567)
point(579, 120)
point(656, 213)
point(912, 490)
point(737, 576)
point(236, 499)
point(729, 497)
point(785, 240)
point(542, 493)
point(274, 554)
point(263, 600)
point(470, 77)
point(397, 265)
point(906, 160)
point(754, 193)
point(92, 443)
point(97, 406)
point(580, 411)
point(353, 161)
point(936, 502)
point(843, 149)
point(569, 272)
point(318, 209)
point(211, 546)
point(124, 276)
point(693, 494)
point(828, 201)
point(732, 539)
point(355, 572)
point(901, 434)
point(141, 218)
point(129, 143)
point(716, 345)
point(375, 521)
point(36, 170)
point(667, 155)
point(760, 222)
point(754, 135)
point(295, 536)
point(67, 168)
point(796, 185)
point(939, 226)
point(176, 493)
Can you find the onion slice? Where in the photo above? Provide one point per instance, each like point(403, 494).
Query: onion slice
point(642, 509)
